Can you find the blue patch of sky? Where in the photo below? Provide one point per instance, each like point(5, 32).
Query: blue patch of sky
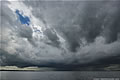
point(37, 30)
point(23, 19)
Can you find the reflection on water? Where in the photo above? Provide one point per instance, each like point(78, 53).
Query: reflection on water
point(56, 75)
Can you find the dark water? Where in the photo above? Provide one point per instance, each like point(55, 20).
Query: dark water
point(57, 75)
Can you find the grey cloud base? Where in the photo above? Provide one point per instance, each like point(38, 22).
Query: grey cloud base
point(91, 31)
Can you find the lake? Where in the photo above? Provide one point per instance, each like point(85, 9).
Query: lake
point(58, 75)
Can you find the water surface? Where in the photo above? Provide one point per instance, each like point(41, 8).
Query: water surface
point(56, 75)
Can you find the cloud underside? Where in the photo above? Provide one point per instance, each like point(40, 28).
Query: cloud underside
point(90, 32)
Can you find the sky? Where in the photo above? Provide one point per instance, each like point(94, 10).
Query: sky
point(66, 35)
point(23, 19)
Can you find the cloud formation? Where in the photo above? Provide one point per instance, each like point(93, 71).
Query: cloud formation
point(71, 33)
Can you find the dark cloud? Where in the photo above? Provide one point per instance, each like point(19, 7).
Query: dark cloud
point(52, 36)
point(90, 30)
point(12, 60)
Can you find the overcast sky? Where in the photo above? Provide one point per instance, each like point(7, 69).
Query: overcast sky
point(57, 34)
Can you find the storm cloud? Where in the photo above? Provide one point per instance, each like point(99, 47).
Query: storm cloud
point(70, 34)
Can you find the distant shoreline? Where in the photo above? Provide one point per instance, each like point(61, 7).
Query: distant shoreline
point(24, 70)
point(62, 70)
